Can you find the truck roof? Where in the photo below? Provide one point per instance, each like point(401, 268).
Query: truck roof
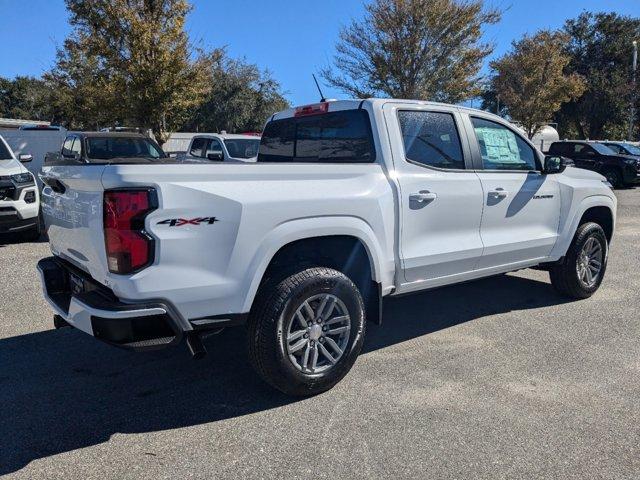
point(351, 104)
point(110, 134)
point(228, 136)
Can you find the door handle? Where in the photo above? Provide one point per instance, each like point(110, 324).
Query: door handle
point(498, 193)
point(423, 196)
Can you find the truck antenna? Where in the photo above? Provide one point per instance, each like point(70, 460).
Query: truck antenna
point(322, 99)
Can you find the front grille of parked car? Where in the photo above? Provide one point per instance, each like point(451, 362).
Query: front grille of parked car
point(7, 193)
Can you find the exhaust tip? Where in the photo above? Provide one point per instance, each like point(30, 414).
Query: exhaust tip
point(195, 345)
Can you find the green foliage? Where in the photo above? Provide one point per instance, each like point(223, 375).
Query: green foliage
point(129, 62)
point(25, 98)
point(600, 50)
point(242, 99)
point(421, 49)
point(530, 80)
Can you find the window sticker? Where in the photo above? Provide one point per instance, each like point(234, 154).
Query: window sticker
point(499, 144)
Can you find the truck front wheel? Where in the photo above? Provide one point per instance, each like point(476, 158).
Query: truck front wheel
point(306, 331)
point(580, 273)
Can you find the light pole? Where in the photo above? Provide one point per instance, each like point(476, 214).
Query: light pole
point(632, 112)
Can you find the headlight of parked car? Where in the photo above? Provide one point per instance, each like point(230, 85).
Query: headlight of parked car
point(22, 177)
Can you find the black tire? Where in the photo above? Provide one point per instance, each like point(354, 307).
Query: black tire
point(614, 177)
point(564, 275)
point(272, 316)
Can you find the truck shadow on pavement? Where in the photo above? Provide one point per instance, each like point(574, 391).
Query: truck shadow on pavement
point(62, 390)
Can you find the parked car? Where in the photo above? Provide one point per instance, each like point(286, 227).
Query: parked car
point(624, 148)
point(19, 197)
point(619, 170)
point(349, 202)
point(36, 143)
point(104, 147)
point(218, 147)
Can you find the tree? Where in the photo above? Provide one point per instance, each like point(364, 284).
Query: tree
point(241, 100)
point(26, 98)
point(530, 80)
point(600, 50)
point(422, 49)
point(130, 61)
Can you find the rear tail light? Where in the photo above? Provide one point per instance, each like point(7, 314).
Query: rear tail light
point(129, 248)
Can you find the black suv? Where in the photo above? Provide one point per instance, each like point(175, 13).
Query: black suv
point(623, 148)
point(619, 170)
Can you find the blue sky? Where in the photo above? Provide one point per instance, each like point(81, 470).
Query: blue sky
point(292, 38)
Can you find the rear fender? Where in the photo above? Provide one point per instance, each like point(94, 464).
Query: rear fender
point(305, 228)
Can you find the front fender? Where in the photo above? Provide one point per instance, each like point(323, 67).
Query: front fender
point(569, 224)
point(304, 228)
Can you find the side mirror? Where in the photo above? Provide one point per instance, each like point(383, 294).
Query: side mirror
point(25, 157)
point(554, 164)
point(215, 156)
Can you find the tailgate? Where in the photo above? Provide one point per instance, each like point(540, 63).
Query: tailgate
point(72, 198)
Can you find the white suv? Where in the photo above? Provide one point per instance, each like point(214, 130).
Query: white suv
point(19, 198)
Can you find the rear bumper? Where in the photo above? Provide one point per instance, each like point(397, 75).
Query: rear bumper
point(92, 308)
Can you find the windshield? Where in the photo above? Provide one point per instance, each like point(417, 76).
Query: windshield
point(5, 154)
point(107, 148)
point(242, 148)
point(603, 149)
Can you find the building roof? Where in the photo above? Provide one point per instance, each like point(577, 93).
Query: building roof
point(17, 122)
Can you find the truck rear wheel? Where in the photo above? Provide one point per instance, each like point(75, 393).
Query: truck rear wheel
point(306, 331)
point(584, 265)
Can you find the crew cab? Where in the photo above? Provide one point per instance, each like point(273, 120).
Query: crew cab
point(19, 197)
point(349, 202)
point(218, 147)
point(619, 169)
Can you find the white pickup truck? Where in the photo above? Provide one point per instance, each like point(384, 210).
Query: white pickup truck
point(349, 202)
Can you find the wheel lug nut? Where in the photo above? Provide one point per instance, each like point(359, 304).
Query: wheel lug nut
point(309, 324)
point(312, 343)
point(306, 335)
point(325, 328)
point(321, 339)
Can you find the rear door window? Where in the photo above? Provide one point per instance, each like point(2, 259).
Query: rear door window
point(431, 139)
point(336, 137)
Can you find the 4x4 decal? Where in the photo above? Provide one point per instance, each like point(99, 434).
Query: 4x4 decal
point(179, 222)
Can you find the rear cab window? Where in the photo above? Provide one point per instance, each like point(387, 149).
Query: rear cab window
point(335, 137)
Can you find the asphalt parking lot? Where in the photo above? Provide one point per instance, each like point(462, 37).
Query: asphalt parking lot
point(500, 378)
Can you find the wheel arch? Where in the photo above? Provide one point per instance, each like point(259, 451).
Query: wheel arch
point(601, 215)
point(343, 243)
point(592, 208)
